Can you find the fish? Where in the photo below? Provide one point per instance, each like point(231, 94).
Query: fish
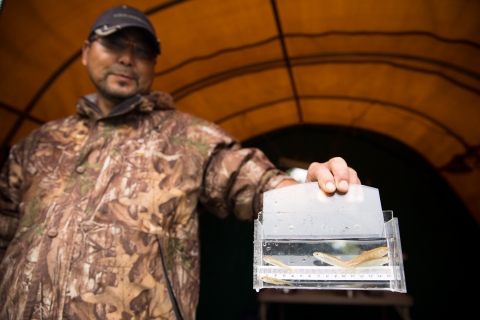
point(374, 262)
point(277, 263)
point(368, 255)
point(273, 280)
point(330, 259)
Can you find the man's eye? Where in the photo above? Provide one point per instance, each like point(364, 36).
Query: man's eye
point(144, 52)
point(115, 42)
point(141, 49)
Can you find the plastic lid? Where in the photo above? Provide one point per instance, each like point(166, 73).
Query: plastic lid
point(305, 211)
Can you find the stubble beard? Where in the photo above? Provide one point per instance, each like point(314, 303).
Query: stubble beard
point(105, 89)
point(112, 94)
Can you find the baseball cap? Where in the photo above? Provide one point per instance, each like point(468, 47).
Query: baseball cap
point(119, 17)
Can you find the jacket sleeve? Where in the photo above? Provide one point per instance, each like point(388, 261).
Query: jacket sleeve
point(11, 178)
point(235, 180)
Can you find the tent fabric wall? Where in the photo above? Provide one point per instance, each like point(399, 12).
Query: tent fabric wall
point(406, 69)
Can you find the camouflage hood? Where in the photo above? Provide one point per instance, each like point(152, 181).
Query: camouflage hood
point(86, 107)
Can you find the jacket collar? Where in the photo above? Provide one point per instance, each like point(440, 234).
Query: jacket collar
point(87, 105)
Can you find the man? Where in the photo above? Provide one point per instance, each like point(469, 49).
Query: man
point(100, 209)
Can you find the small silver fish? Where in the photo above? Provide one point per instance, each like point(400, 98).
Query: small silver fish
point(273, 280)
point(330, 259)
point(277, 263)
point(374, 262)
point(368, 255)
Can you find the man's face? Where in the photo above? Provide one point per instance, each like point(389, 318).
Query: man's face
point(118, 70)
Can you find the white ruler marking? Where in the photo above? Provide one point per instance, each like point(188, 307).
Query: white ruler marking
point(327, 273)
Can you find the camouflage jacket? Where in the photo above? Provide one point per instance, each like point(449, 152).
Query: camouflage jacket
point(85, 202)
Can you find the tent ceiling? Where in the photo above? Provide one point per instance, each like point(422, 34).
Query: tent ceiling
point(406, 69)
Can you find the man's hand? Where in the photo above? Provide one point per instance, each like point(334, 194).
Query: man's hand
point(331, 175)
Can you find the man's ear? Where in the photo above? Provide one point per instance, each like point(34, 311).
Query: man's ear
point(85, 50)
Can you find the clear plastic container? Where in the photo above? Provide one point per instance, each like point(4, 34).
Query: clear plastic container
point(306, 239)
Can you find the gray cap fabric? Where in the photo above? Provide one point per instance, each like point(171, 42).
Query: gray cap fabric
point(120, 17)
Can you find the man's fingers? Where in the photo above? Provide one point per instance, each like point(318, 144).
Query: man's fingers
point(340, 172)
point(321, 173)
point(353, 177)
point(332, 175)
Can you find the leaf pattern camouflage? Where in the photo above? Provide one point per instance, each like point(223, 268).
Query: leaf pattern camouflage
point(85, 201)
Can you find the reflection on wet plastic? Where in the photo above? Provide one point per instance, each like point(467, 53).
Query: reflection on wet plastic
point(324, 197)
point(311, 240)
point(355, 194)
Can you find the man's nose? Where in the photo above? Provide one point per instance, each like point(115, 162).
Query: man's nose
point(126, 56)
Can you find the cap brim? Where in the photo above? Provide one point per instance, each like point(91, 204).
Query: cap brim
point(108, 30)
